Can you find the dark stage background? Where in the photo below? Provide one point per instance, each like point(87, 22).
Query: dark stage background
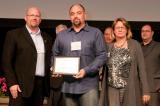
point(49, 27)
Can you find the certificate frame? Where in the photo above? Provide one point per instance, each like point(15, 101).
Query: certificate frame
point(66, 65)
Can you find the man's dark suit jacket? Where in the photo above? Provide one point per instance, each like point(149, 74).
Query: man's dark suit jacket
point(19, 60)
point(152, 61)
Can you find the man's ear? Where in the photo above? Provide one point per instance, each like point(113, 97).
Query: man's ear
point(85, 16)
point(25, 18)
point(152, 33)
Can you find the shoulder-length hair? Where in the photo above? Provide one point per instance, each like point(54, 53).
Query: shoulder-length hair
point(126, 24)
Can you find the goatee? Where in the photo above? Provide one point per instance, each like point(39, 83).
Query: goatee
point(76, 23)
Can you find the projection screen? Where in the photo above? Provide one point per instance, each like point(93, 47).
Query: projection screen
point(99, 10)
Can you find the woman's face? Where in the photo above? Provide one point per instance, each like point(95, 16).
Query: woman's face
point(120, 31)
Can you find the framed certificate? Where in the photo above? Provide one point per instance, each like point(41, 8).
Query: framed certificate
point(66, 65)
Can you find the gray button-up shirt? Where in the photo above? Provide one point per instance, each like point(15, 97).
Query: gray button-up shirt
point(92, 56)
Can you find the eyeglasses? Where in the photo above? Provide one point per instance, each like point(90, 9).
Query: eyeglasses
point(120, 27)
point(146, 31)
point(37, 16)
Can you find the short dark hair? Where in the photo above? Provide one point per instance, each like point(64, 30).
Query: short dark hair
point(148, 25)
point(78, 5)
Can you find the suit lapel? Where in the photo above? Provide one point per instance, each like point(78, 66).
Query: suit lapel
point(28, 37)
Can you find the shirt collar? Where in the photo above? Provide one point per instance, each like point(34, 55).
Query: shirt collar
point(85, 28)
point(148, 43)
point(30, 31)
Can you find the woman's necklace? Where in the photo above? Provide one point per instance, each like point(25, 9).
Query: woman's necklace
point(120, 45)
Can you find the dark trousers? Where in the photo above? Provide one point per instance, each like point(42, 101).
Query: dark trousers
point(56, 98)
point(36, 99)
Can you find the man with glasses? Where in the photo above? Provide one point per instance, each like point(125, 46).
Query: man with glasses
point(151, 50)
point(26, 58)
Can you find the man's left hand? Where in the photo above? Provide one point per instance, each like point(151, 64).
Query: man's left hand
point(80, 74)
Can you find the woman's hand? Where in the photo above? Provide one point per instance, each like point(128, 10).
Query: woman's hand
point(146, 99)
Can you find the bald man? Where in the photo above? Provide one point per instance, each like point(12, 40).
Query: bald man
point(26, 58)
point(108, 35)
